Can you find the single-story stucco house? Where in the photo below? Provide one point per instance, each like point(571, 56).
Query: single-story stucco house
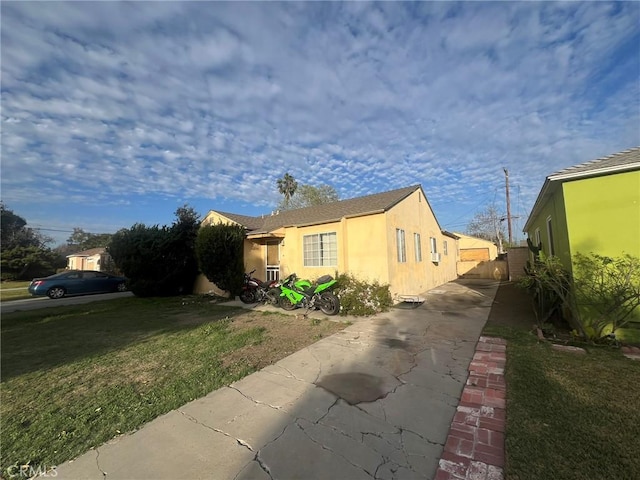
point(393, 237)
point(593, 207)
point(93, 259)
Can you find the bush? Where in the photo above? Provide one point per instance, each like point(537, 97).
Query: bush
point(158, 261)
point(360, 298)
point(220, 253)
point(607, 292)
point(602, 295)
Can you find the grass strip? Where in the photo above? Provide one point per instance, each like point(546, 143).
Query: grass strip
point(14, 291)
point(569, 416)
point(74, 377)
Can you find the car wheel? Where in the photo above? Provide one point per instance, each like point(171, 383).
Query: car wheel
point(122, 287)
point(56, 292)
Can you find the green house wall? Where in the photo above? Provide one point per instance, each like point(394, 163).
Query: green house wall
point(603, 214)
point(592, 215)
point(555, 210)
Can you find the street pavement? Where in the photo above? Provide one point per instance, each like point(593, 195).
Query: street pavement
point(36, 303)
point(374, 401)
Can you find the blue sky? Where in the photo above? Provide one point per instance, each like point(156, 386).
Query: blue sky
point(117, 113)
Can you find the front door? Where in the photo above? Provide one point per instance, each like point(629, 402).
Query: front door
point(273, 261)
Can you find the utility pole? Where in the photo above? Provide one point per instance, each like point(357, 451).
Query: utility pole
point(506, 176)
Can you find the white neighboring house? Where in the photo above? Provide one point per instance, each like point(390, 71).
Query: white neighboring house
point(93, 259)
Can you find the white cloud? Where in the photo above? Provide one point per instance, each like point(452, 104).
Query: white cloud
point(214, 101)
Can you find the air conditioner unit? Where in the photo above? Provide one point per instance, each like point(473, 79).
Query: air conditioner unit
point(435, 257)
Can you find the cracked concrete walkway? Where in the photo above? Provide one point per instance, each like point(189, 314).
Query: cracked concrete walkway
point(373, 401)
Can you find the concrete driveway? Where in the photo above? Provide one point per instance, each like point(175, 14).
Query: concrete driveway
point(372, 401)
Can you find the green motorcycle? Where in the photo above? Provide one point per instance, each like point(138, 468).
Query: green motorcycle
point(295, 293)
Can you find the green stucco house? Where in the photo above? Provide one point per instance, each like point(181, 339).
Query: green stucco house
point(593, 207)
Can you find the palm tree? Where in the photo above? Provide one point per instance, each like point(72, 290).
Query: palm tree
point(287, 186)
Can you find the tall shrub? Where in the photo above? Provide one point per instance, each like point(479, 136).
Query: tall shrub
point(158, 261)
point(601, 296)
point(551, 286)
point(220, 254)
point(607, 291)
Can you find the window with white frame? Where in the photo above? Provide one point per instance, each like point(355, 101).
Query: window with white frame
point(320, 250)
point(400, 245)
point(550, 236)
point(537, 237)
point(434, 244)
point(445, 248)
point(418, 246)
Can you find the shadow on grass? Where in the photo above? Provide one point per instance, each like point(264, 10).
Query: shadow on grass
point(42, 339)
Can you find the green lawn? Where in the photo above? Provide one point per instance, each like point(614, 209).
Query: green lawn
point(569, 416)
point(74, 377)
point(8, 290)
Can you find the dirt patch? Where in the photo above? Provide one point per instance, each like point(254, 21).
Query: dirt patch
point(285, 334)
point(512, 307)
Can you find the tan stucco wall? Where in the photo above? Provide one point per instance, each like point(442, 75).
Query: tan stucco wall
point(467, 242)
point(414, 215)
point(85, 263)
point(365, 244)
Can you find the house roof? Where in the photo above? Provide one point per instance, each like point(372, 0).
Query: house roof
point(89, 253)
point(627, 160)
point(325, 213)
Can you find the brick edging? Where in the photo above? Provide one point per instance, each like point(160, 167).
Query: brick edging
point(475, 444)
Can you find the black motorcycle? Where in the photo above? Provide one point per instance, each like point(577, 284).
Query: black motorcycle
point(255, 290)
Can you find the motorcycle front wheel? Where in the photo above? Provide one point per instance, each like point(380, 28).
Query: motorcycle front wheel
point(329, 304)
point(286, 303)
point(248, 296)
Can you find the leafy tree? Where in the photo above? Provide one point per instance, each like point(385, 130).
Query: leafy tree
point(158, 261)
point(308, 196)
point(24, 251)
point(24, 263)
point(287, 186)
point(15, 233)
point(80, 240)
point(487, 224)
point(220, 253)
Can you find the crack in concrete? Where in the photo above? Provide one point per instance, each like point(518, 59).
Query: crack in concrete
point(239, 441)
point(421, 437)
point(335, 402)
point(104, 474)
point(257, 402)
point(319, 365)
point(263, 466)
point(391, 469)
point(332, 451)
point(261, 462)
point(291, 374)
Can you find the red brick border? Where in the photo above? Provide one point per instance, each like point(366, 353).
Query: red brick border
point(475, 444)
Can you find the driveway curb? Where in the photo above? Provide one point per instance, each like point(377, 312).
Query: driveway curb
point(475, 444)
